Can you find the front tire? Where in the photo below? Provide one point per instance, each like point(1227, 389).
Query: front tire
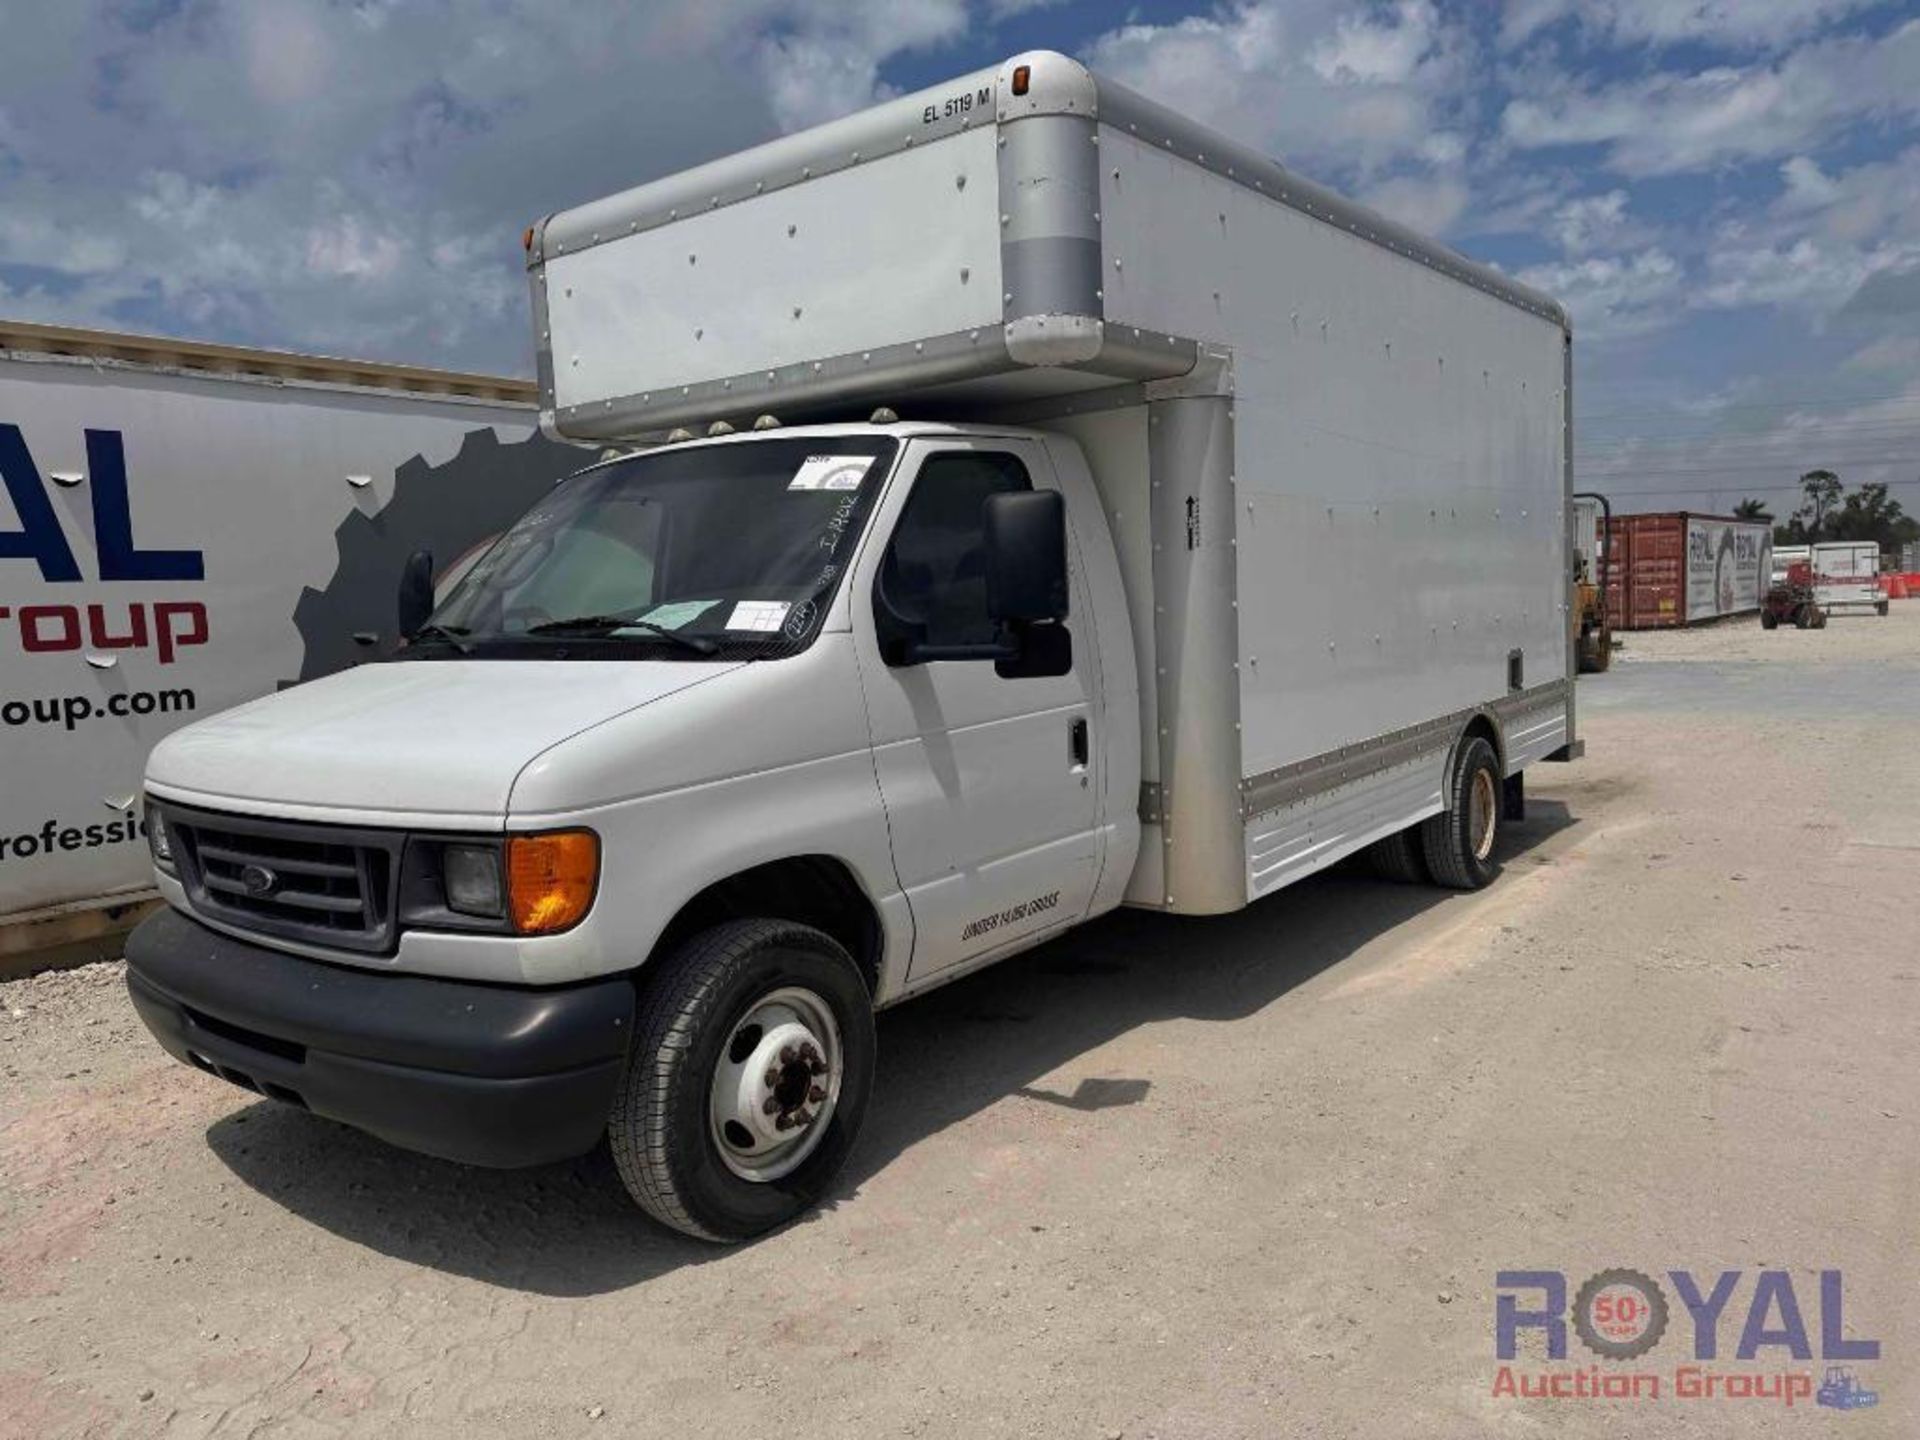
point(1459, 842)
point(752, 1063)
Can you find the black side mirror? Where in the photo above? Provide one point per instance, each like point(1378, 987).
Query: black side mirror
point(1026, 545)
point(416, 591)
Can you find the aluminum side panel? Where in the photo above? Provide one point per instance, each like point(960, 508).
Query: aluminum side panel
point(1400, 496)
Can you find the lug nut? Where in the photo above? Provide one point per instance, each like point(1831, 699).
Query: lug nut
point(817, 1094)
point(787, 1056)
point(785, 1122)
point(772, 1077)
point(817, 1066)
point(770, 1106)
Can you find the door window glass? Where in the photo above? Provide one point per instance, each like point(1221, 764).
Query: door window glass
point(935, 571)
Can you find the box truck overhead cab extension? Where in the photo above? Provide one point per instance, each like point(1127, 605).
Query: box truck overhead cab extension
point(1141, 524)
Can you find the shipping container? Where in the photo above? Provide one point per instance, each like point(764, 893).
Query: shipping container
point(1676, 568)
point(184, 527)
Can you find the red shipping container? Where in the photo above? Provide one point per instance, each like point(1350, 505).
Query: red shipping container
point(1677, 568)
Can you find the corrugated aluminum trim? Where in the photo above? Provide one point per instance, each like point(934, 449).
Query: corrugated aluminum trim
point(1305, 779)
point(1126, 354)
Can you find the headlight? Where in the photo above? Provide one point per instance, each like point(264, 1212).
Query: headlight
point(551, 879)
point(158, 841)
point(471, 876)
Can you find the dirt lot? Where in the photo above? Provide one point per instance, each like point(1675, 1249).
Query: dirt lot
point(1241, 1177)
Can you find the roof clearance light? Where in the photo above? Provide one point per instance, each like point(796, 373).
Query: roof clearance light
point(883, 416)
point(719, 427)
point(677, 434)
point(1022, 77)
point(526, 240)
point(767, 422)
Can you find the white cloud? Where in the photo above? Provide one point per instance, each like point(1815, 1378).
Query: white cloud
point(355, 178)
point(1663, 22)
point(1590, 222)
point(1614, 296)
point(1676, 121)
point(1431, 205)
point(1309, 80)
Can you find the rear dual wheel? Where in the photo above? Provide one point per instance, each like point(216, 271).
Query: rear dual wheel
point(1460, 841)
point(752, 1062)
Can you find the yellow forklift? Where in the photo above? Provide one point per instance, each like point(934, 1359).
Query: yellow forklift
point(1592, 545)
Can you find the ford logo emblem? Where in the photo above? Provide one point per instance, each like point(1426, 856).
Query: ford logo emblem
point(258, 880)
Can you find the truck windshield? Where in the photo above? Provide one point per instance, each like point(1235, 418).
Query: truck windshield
point(730, 550)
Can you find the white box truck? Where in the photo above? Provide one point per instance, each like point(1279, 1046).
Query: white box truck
point(1086, 511)
point(186, 526)
point(1846, 576)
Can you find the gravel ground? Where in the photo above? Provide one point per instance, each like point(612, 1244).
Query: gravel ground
point(1247, 1176)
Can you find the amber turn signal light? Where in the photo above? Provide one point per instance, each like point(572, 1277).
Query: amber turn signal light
point(551, 879)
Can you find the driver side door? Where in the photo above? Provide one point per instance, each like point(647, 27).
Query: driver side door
point(988, 782)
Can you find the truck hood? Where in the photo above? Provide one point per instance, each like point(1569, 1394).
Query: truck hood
point(430, 740)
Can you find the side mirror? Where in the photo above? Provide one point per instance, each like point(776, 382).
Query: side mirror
point(416, 591)
point(1026, 560)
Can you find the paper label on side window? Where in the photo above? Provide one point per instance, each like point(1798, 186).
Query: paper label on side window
point(680, 612)
point(831, 472)
point(767, 615)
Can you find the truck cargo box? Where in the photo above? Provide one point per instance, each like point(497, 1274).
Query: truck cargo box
point(1336, 454)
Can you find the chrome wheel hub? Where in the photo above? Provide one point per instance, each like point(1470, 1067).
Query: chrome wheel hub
point(776, 1084)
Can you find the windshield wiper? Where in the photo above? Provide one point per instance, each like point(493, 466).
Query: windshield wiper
point(452, 634)
point(607, 624)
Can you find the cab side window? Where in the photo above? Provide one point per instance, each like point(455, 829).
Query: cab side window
point(935, 573)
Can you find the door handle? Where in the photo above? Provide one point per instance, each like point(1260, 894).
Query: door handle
point(1077, 742)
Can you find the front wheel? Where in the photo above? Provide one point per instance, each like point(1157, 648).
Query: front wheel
point(752, 1062)
point(1459, 842)
point(1769, 620)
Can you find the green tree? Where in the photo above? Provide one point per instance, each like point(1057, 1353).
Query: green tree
point(1822, 489)
point(1752, 510)
point(1869, 513)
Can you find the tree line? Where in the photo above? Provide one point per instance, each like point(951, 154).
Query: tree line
point(1830, 511)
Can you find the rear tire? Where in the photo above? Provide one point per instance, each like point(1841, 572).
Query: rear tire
point(705, 1013)
point(1398, 858)
point(1769, 620)
point(1803, 618)
point(1819, 619)
point(1460, 842)
point(1881, 608)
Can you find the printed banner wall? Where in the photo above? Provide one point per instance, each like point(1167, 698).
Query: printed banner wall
point(174, 544)
point(1729, 566)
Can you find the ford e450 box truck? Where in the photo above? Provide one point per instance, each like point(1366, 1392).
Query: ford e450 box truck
point(1019, 502)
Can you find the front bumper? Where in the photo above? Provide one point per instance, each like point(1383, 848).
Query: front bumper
point(486, 1074)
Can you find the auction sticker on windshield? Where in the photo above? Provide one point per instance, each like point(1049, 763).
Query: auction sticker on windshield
point(766, 615)
point(831, 472)
point(680, 612)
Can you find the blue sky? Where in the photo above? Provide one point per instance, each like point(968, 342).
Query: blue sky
point(1726, 192)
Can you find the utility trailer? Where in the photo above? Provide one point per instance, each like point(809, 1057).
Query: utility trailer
point(1846, 576)
point(186, 526)
point(1030, 502)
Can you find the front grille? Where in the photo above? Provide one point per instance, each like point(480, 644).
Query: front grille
point(324, 884)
